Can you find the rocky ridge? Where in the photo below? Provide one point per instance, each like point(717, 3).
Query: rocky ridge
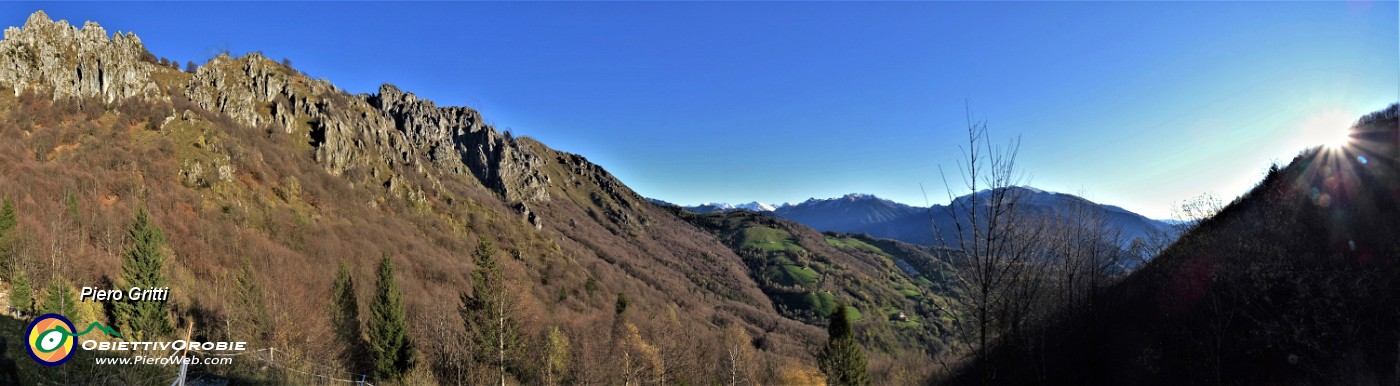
point(76, 62)
point(362, 133)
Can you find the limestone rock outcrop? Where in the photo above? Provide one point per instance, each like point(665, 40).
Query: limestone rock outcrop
point(348, 132)
point(456, 135)
point(76, 62)
point(392, 125)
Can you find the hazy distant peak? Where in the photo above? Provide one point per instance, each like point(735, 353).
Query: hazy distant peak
point(1024, 195)
point(754, 206)
point(848, 198)
point(757, 206)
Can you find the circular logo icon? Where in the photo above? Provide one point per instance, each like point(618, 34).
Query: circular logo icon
point(50, 339)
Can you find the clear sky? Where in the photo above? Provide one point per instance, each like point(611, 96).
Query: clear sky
point(1135, 104)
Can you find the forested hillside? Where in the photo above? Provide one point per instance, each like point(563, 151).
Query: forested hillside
point(284, 212)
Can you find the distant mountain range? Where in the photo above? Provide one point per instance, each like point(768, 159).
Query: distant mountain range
point(1285, 285)
point(245, 159)
point(755, 206)
point(878, 217)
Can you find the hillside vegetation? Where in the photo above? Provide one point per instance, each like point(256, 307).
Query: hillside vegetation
point(806, 274)
point(265, 181)
point(1296, 283)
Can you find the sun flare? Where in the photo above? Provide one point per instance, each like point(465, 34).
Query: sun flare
point(1330, 128)
point(1337, 140)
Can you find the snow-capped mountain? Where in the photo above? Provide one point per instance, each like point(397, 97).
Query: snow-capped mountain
point(756, 206)
point(709, 207)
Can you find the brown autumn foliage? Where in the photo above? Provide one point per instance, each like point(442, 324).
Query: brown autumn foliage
point(225, 192)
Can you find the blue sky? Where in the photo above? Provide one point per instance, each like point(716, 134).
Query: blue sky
point(1135, 104)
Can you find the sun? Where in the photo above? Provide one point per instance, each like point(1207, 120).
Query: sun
point(1339, 139)
point(1330, 128)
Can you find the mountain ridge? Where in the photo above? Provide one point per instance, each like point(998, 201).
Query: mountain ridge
point(247, 161)
point(880, 217)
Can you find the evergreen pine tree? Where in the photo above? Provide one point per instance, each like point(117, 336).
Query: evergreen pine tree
point(842, 360)
point(8, 222)
point(249, 306)
point(143, 266)
point(489, 314)
point(388, 328)
point(59, 298)
point(621, 305)
point(70, 201)
point(345, 319)
point(21, 295)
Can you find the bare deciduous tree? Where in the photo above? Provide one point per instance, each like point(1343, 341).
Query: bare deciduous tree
point(1186, 215)
point(997, 247)
point(738, 355)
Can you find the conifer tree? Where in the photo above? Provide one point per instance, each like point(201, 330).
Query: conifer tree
point(59, 298)
point(388, 327)
point(621, 305)
point(8, 220)
point(8, 223)
point(143, 265)
point(489, 314)
point(250, 306)
point(21, 295)
point(345, 318)
point(842, 360)
point(70, 201)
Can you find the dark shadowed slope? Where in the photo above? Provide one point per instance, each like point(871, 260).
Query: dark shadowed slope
point(1295, 283)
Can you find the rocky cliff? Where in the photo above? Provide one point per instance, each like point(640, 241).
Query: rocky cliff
point(360, 132)
point(357, 131)
point(75, 62)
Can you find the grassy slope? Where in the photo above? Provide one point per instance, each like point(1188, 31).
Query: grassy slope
point(807, 273)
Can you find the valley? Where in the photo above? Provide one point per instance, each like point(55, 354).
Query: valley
point(315, 235)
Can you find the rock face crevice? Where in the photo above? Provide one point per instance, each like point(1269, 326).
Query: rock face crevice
point(74, 62)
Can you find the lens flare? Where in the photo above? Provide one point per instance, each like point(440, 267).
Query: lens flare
point(1329, 128)
point(1339, 140)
